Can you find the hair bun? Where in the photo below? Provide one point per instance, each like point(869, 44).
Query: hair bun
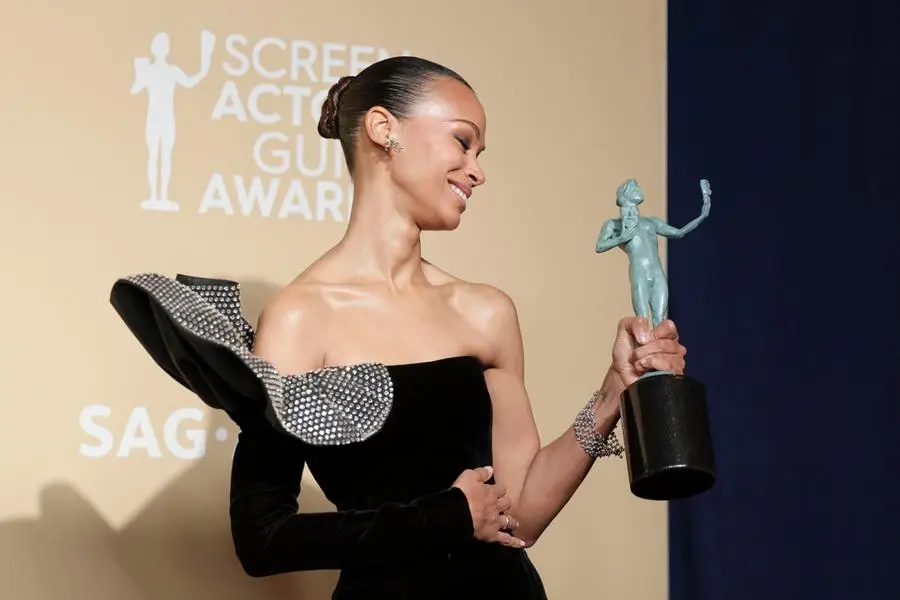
point(328, 121)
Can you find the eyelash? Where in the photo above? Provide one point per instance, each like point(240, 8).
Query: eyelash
point(463, 143)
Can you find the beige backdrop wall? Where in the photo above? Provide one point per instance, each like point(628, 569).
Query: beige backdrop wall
point(114, 478)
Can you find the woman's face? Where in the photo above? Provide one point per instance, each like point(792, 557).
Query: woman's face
point(437, 169)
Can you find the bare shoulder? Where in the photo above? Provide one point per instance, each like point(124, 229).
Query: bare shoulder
point(488, 306)
point(493, 313)
point(295, 306)
point(485, 305)
point(291, 328)
point(490, 311)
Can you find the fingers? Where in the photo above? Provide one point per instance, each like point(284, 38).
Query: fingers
point(661, 352)
point(506, 539)
point(634, 326)
point(640, 330)
point(483, 474)
point(505, 532)
point(509, 526)
point(665, 331)
point(492, 522)
point(658, 347)
point(661, 362)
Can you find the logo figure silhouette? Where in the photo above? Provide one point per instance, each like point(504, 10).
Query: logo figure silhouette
point(160, 78)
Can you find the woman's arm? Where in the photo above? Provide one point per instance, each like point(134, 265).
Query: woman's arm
point(271, 537)
point(545, 477)
point(269, 534)
point(541, 480)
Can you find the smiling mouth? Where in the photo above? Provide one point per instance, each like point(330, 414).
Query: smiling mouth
point(459, 192)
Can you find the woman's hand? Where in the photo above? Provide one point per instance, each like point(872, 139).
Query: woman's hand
point(638, 349)
point(488, 504)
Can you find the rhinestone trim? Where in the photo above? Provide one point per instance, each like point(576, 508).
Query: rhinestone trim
point(328, 406)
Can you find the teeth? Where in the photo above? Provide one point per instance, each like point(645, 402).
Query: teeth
point(458, 191)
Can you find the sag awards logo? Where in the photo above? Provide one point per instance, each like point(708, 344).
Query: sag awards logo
point(180, 434)
point(296, 173)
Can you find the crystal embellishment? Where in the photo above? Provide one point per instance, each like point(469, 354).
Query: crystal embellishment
point(329, 406)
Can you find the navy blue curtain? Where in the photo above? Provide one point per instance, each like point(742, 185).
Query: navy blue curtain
point(786, 296)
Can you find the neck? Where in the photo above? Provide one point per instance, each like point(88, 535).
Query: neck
point(383, 243)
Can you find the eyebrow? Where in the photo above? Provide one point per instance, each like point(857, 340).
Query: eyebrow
point(475, 127)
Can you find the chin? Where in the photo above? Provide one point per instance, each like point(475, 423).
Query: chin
point(446, 223)
point(442, 218)
point(450, 226)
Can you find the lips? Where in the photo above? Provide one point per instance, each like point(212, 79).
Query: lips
point(461, 190)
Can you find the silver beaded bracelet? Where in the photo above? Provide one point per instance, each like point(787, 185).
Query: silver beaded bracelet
point(593, 443)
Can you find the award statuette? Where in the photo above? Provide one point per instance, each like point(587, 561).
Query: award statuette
point(668, 446)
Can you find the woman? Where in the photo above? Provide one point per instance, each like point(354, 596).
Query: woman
point(412, 413)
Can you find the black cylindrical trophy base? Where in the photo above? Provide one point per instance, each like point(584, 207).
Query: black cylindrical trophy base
point(668, 446)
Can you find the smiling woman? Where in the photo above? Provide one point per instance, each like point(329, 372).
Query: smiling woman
point(442, 142)
point(400, 386)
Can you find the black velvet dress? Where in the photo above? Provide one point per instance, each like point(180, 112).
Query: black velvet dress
point(384, 442)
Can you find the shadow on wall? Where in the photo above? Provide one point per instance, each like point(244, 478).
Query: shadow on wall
point(177, 548)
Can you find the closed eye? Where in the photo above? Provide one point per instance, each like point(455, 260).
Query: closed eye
point(462, 142)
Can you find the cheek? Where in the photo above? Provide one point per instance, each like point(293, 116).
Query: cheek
point(425, 167)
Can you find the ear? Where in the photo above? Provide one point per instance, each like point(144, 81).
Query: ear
point(378, 124)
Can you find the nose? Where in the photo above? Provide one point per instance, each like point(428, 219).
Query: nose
point(476, 175)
